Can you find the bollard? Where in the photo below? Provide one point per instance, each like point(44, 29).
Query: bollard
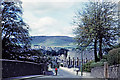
point(106, 70)
point(77, 61)
point(69, 61)
point(76, 72)
point(73, 63)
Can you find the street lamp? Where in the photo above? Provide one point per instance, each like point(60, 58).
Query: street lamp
point(81, 63)
point(81, 59)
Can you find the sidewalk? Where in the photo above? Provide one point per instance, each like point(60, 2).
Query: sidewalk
point(23, 77)
point(27, 77)
point(72, 70)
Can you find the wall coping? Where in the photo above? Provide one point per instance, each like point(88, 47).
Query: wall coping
point(20, 61)
point(117, 65)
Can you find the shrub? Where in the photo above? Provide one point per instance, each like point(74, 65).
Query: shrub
point(86, 67)
point(105, 57)
point(100, 63)
point(103, 60)
point(114, 56)
point(96, 64)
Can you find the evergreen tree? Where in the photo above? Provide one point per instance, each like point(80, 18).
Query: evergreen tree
point(15, 35)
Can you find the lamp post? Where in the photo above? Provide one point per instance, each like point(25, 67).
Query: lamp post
point(81, 60)
point(81, 63)
point(82, 57)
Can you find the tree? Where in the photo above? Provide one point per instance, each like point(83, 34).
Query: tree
point(86, 33)
point(62, 51)
point(15, 35)
point(97, 24)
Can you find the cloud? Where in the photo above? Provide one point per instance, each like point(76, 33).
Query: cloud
point(55, 0)
point(42, 20)
point(64, 0)
point(49, 18)
point(43, 7)
point(42, 24)
point(50, 27)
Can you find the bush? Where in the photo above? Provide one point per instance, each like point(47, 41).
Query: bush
point(86, 67)
point(96, 64)
point(105, 57)
point(103, 60)
point(114, 56)
point(100, 63)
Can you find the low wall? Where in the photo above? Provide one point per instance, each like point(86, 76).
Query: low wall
point(97, 72)
point(113, 71)
point(13, 68)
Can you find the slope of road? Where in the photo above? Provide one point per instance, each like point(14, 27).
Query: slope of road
point(64, 73)
point(72, 71)
point(61, 74)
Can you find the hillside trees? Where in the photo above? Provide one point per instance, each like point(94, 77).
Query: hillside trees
point(15, 35)
point(98, 24)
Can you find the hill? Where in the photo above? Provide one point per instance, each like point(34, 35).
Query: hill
point(53, 41)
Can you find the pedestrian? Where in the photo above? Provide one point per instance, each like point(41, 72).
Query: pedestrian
point(56, 70)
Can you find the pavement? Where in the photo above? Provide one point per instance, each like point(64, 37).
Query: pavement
point(23, 77)
point(73, 71)
point(63, 72)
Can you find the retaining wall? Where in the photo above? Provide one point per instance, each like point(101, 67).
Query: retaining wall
point(113, 71)
point(13, 68)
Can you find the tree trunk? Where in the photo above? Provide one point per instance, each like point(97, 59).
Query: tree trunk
point(100, 48)
point(95, 50)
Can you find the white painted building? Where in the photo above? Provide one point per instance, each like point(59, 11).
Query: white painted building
point(86, 54)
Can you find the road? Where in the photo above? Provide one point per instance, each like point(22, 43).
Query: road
point(61, 74)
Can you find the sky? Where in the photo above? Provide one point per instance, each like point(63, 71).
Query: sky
point(51, 17)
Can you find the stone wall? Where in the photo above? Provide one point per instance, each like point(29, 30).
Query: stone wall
point(113, 71)
point(13, 68)
point(97, 72)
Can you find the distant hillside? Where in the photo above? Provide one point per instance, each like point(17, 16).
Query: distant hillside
point(55, 41)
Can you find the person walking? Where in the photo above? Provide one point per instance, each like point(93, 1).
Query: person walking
point(56, 70)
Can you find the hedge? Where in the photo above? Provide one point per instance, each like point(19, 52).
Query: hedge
point(114, 56)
